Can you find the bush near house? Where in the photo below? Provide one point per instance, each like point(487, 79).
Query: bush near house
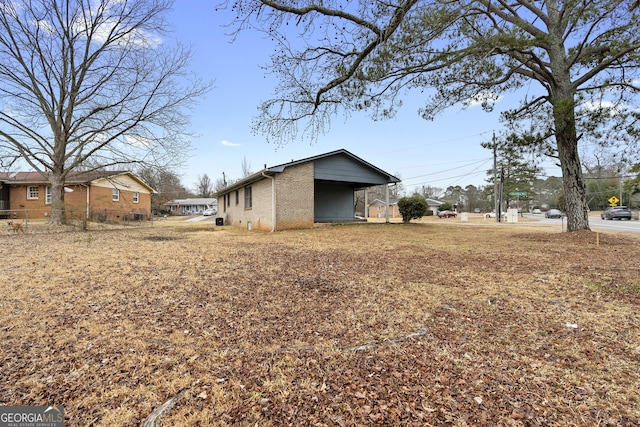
point(445, 207)
point(414, 207)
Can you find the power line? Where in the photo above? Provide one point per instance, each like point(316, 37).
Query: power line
point(481, 162)
point(438, 142)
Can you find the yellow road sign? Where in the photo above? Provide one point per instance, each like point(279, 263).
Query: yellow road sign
point(613, 201)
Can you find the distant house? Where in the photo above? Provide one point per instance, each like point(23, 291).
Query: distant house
point(434, 205)
point(97, 195)
point(300, 193)
point(190, 206)
point(377, 209)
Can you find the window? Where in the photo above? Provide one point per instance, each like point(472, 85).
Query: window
point(32, 193)
point(247, 197)
point(47, 195)
point(224, 203)
point(136, 197)
point(115, 195)
point(237, 197)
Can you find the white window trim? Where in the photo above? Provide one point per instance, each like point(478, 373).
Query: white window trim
point(29, 197)
point(115, 194)
point(48, 195)
point(136, 197)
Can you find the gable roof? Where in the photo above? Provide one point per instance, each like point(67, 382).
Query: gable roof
point(271, 171)
point(282, 167)
point(73, 178)
point(392, 201)
point(434, 202)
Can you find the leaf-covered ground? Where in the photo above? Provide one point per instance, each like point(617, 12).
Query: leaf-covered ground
point(371, 324)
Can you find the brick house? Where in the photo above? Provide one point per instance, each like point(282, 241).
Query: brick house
point(378, 209)
point(300, 193)
point(193, 206)
point(97, 195)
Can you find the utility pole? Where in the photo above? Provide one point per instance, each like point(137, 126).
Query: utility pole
point(499, 212)
point(495, 178)
point(620, 184)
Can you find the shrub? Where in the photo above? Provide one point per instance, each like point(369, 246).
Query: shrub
point(414, 207)
point(445, 207)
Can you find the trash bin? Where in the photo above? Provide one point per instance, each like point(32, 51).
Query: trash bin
point(219, 221)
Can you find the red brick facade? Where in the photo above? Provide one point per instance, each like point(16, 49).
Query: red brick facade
point(118, 196)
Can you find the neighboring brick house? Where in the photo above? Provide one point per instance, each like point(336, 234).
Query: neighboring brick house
point(300, 193)
point(97, 195)
point(377, 209)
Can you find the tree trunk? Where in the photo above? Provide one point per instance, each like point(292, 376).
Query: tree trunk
point(575, 191)
point(57, 198)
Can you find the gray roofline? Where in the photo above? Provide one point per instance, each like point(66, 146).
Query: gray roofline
point(271, 171)
point(283, 166)
point(78, 178)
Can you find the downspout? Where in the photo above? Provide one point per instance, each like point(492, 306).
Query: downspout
point(273, 201)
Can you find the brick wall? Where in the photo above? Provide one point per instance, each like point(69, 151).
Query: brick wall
point(295, 197)
point(294, 202)
point(260, 212)
point(378, 211)
point(100, 198)
point(18, 202)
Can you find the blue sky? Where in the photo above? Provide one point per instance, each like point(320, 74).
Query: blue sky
point(440, 153)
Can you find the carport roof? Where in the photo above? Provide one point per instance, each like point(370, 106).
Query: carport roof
point(280, 168)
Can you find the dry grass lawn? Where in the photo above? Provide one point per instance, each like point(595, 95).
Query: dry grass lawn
point(439, 323)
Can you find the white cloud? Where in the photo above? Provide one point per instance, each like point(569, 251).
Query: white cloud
point(138, 141)
point(483, 99)
point(606, 106)
point(230, 144)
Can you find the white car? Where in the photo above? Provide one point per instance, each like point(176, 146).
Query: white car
point(503, 214)
point(536, 211)
point(209, 212)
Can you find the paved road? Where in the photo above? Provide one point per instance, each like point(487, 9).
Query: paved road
point(608, 225)
point(596, 224)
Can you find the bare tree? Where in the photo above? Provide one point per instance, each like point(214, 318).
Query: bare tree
point(220, 184)
point(429, 192)
point(166, 183)
point(578, 60)
point(204, 186)
point(246, 167)
point(86, 82)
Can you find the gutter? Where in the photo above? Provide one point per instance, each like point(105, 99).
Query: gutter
point(273, 201)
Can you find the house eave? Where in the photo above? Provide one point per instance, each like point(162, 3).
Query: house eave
point(79, 178)
point(251, 179)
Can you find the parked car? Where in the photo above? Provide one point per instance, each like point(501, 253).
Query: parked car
point(553, 213)
point(616, 212)
point(209, 212)
point(503, 214)
point(447, 214)
point(536, 211)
